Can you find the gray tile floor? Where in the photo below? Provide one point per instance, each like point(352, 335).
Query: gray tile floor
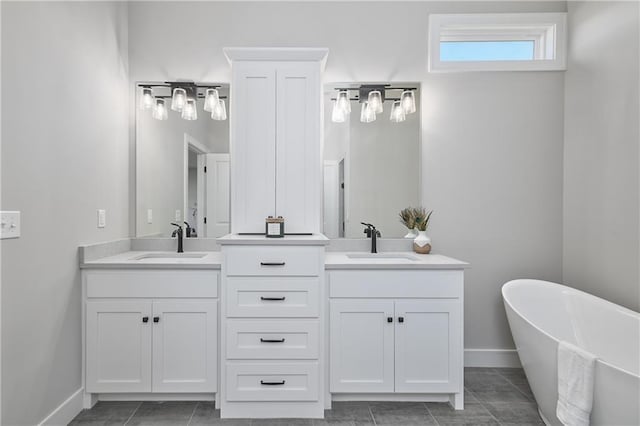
point(493, 396)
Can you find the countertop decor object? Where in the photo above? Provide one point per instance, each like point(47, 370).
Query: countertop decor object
point(422, 243)
point(408, 219)
point(274, 227)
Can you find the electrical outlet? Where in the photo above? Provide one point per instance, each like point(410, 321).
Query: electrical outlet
point(102, 218)
point(9, 225)
point(149, 215)
point(178, 215)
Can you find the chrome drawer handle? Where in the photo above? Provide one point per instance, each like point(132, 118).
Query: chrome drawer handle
point(272, 340)
point(271, 263)
point(262, 382)
point(273, 298)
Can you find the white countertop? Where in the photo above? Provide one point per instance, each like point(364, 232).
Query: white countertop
point(131, 260)
point(341, 260)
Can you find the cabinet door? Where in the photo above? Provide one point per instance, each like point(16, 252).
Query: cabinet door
point(185, 346)
point(118, 337)
point(361, 346)
point(253, 138)
point(298, 147)
point(428, 346)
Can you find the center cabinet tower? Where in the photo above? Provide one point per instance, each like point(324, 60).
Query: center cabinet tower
point(272, 318)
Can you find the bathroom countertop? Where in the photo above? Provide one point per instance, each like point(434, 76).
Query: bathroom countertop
point(340, 260)
point(130, 260)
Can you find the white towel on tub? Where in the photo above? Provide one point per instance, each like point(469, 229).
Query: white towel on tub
point(576, 369)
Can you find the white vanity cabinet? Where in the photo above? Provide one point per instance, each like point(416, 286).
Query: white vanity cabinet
point(151, 331)
point(276, 152)
point(396, 332)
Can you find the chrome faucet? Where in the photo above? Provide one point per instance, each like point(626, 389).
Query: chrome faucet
point(372, 233)
point(178, 233)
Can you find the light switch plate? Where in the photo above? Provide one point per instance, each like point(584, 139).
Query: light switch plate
point(102, 218)
point(178, 215)
point(9, 225)
point(149, 215)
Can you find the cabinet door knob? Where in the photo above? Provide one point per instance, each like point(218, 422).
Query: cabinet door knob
point(400, 319)
point(156, 319)
point(262, 382)
point(145, 319)
point(389, 319)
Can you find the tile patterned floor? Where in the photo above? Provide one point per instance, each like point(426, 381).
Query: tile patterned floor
point(493, 396)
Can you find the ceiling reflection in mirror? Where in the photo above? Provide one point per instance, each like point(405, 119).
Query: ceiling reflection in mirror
point(182, 158)
point(371, 157)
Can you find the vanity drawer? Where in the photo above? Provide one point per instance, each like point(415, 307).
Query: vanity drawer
point(152, 283)
point(273, 297)
point(273, 260)
point(396, 283)
point(272, 339)
point(275, 381)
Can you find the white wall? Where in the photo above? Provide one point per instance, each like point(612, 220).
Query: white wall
point(64, 155)
point(601, 155)
point(492, 142)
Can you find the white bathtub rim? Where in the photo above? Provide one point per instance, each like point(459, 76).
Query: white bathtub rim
point(515, 282)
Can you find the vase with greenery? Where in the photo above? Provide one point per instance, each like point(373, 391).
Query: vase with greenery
point(422, 243)
point(408, 220)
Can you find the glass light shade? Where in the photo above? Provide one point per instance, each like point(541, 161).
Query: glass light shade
point(375, 101)
point(160, 110)
point(337, 114)
point(367, 114)
point(210, 99)
point(343, 101)
point(219, 111)
point(190, 112)
point(179, 99)
point(146, 98)
point(397, 113)
point(408, 101)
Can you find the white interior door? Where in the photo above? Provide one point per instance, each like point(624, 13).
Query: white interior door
point(361, 345)
point(218, 193)
point(118, 346)
point(201, 196)
point(185, 346)
point(427, 345)
point(331, 227)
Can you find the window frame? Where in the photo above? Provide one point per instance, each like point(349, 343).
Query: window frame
point(546, 30)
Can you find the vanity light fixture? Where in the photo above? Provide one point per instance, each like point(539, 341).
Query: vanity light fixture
point(397, 112)
point(408, 102)
point(146, 98)
point(367, 114)
point(211, 98)
point(179, 99)
point(375, 101)
point(160, 110)
point(219, 111)
point(189, 111)
point(343, 101)
point(337, 113)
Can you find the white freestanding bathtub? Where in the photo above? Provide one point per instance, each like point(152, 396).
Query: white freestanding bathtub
point(541, 314)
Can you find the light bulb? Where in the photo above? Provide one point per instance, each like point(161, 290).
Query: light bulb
point(397, 113)
point(190, 112)
point(375, 101)
point(210, 99)
point(408, 102)
point(343, 101)
point(367, 114)
point(337, 114)
point(179, 99)
point(219, 111)
point(146, 99)
point(160, 110)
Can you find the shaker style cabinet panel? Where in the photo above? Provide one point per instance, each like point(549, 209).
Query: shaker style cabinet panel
point(427, 345)
point(253, 145)
point(118, 346)
point(184, 346)
point(361, 346)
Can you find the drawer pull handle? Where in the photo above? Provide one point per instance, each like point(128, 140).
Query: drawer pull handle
point(271, 263)
point(262, 382)
point(273, 298)
point(272, 340)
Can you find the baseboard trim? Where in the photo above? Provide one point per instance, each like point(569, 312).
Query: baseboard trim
point(66, 411)
point(491, 358)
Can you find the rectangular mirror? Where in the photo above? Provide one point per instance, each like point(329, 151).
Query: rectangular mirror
point(371, 157)
point(182, 158)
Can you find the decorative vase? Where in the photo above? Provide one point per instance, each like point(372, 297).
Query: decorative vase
point(413, 233)
point(422, 243)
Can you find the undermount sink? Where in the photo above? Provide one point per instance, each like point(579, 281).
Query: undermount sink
point(384, 256)
point(169, 256)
